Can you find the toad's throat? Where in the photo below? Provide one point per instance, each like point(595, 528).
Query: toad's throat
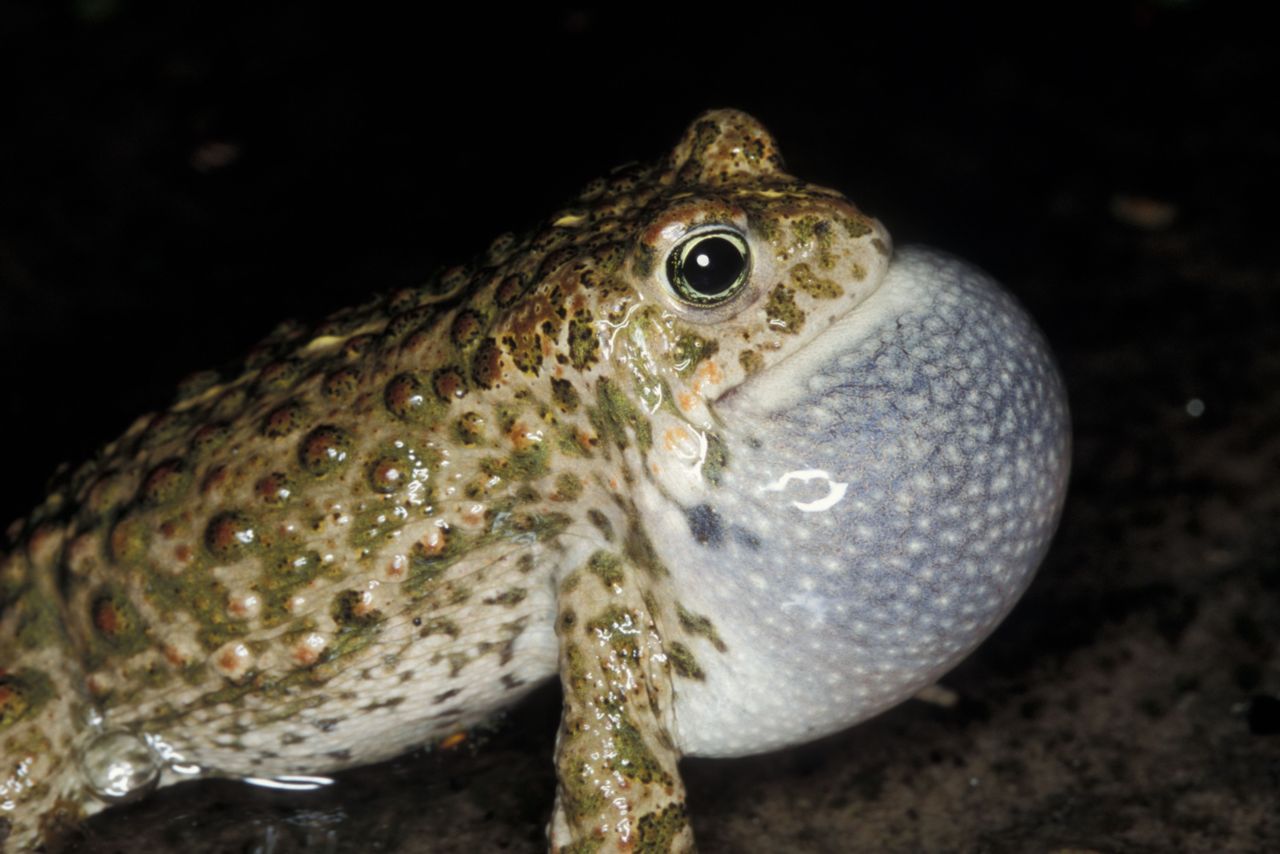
point(889, 493)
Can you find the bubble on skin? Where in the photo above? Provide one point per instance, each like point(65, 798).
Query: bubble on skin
point(118, 766)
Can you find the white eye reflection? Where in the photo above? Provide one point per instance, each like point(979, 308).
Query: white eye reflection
point(835, 489)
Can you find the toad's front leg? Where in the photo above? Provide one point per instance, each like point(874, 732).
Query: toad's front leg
point(619, 787)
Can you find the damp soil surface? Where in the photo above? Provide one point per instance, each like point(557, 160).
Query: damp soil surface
point(175, 179)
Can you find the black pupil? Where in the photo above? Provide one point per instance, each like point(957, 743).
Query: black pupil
point(713, 265)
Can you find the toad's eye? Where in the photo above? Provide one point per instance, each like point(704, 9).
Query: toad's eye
point(709, 267)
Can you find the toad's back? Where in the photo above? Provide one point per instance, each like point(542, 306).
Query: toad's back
point(379, 530)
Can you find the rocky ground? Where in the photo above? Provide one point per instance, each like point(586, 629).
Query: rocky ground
point(175, 182)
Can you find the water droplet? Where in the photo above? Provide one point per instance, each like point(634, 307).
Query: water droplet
point(118, 767)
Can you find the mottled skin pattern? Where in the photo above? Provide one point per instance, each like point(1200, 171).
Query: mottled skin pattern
point(387, 527)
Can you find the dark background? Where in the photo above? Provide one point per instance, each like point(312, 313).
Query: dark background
point(176, 178)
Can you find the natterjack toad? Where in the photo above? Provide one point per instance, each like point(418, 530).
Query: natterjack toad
point(701, 444)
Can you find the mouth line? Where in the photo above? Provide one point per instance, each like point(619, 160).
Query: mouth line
point(785, 382)
point(729, 394)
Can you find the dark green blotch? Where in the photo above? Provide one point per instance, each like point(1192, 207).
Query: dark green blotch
point(564, 394)
point(39, 621)
point(569, 486)
point(606, 566)
point(584, 347)
point(639, 548)
point(567, 441)
point(817, 231)
point(439, 626)
point(610, 622)
point(691, 350)
point(523, 527)
point(683, 661)
point(372, 525)
point(469, 428)
point(635, 759)
point(700, 625)
point(425, 567)
point(509, 598)
point(615, 412)
point(716, 459)
point(282, 578)
point(531, 462)
point(197, 592)
point(855, 227)
point(657, 831)
point(346, 611)
point(601, 521)
point(814, 285)
point(643, 262)
point(784, 315)
point(23, 694)
point(525, 350)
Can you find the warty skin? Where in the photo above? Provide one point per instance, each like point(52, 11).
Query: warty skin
point(701, 445)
